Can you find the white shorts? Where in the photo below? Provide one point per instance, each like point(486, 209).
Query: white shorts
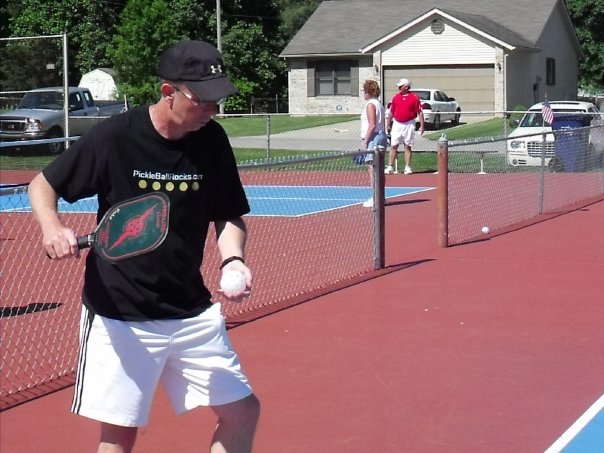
point(122, 362)
point(403, 133)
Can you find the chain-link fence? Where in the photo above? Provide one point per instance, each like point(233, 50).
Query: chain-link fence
point(507, 179)
point(486, 185)
point(301, 209)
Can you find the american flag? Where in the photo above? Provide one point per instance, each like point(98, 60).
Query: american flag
point(546, 112)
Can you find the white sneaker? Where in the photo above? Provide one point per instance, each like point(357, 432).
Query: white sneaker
point(408, 170)
point(389, 170)
point(368, 203)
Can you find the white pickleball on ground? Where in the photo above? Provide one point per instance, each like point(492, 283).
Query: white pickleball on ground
point(232, 282)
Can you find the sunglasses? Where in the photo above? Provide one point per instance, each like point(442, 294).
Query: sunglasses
point(198, 102)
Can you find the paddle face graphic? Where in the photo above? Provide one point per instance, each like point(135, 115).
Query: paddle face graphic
point(130, 228)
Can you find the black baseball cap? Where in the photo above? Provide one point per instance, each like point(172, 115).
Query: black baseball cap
point(199, 66)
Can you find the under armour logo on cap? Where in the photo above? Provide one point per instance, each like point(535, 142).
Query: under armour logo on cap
point(199, 65)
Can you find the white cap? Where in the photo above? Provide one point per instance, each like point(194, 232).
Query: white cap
point(403, 82)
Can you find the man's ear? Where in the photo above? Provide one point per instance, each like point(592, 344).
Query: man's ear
point(167, 90)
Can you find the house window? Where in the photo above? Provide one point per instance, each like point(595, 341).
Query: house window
point(550, 71)
point(333, 78)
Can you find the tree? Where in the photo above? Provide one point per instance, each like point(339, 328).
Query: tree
point(587, 17)
point(23, 64)
point(4, 16)
point(251, 45)
point(256, 73)
point(129, 35)
point(89, 29)
point(146, 29)
point(294, 14)
point(250, 35)
point(39, 64)
point(134, 47)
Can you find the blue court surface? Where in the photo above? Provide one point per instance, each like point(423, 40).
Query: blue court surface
point(586, 435)
point(265, 201)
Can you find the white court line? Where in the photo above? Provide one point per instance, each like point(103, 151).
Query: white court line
point(348, 198)
point(576, 427)
point(64, 206)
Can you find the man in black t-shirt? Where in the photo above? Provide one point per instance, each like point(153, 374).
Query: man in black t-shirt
point(149, 318)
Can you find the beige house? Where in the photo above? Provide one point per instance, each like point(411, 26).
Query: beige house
point(490, 55)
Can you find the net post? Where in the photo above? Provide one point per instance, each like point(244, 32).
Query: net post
point(443, 191)
point(379, 209)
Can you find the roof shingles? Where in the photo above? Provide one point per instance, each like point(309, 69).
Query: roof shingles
point(345, 26)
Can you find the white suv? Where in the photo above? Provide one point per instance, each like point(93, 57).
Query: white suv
point(526, 151)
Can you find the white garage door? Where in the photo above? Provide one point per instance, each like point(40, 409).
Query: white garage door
point(473, 87)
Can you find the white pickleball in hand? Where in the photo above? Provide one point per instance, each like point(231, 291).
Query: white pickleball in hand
point(232, 282)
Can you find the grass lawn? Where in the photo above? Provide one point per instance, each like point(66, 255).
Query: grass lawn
point(257, 125)
point(25, 158)
point(29, 158)
point(493, 127)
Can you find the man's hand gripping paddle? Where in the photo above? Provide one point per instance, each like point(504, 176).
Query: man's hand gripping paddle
point(130, 228)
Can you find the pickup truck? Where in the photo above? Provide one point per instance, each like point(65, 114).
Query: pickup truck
point(40, 115)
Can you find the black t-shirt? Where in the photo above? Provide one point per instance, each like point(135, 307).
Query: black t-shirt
point(125, 157)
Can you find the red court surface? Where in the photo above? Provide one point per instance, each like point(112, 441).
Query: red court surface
point(492, 346)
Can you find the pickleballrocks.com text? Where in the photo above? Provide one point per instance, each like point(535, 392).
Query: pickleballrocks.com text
point(157, 176)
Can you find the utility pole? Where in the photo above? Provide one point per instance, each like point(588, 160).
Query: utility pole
point(219, 40)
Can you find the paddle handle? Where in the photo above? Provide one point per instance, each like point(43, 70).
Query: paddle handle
point(85, 242)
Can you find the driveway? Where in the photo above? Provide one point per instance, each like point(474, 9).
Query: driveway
point(343, 137)
point(333, 137)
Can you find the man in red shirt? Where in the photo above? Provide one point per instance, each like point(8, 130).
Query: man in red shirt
point(405, 108)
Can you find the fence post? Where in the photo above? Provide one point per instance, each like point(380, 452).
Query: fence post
point(268, 136)
point(542, 173)
point(379, 210)
point(443, 191)
point(66, 90)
